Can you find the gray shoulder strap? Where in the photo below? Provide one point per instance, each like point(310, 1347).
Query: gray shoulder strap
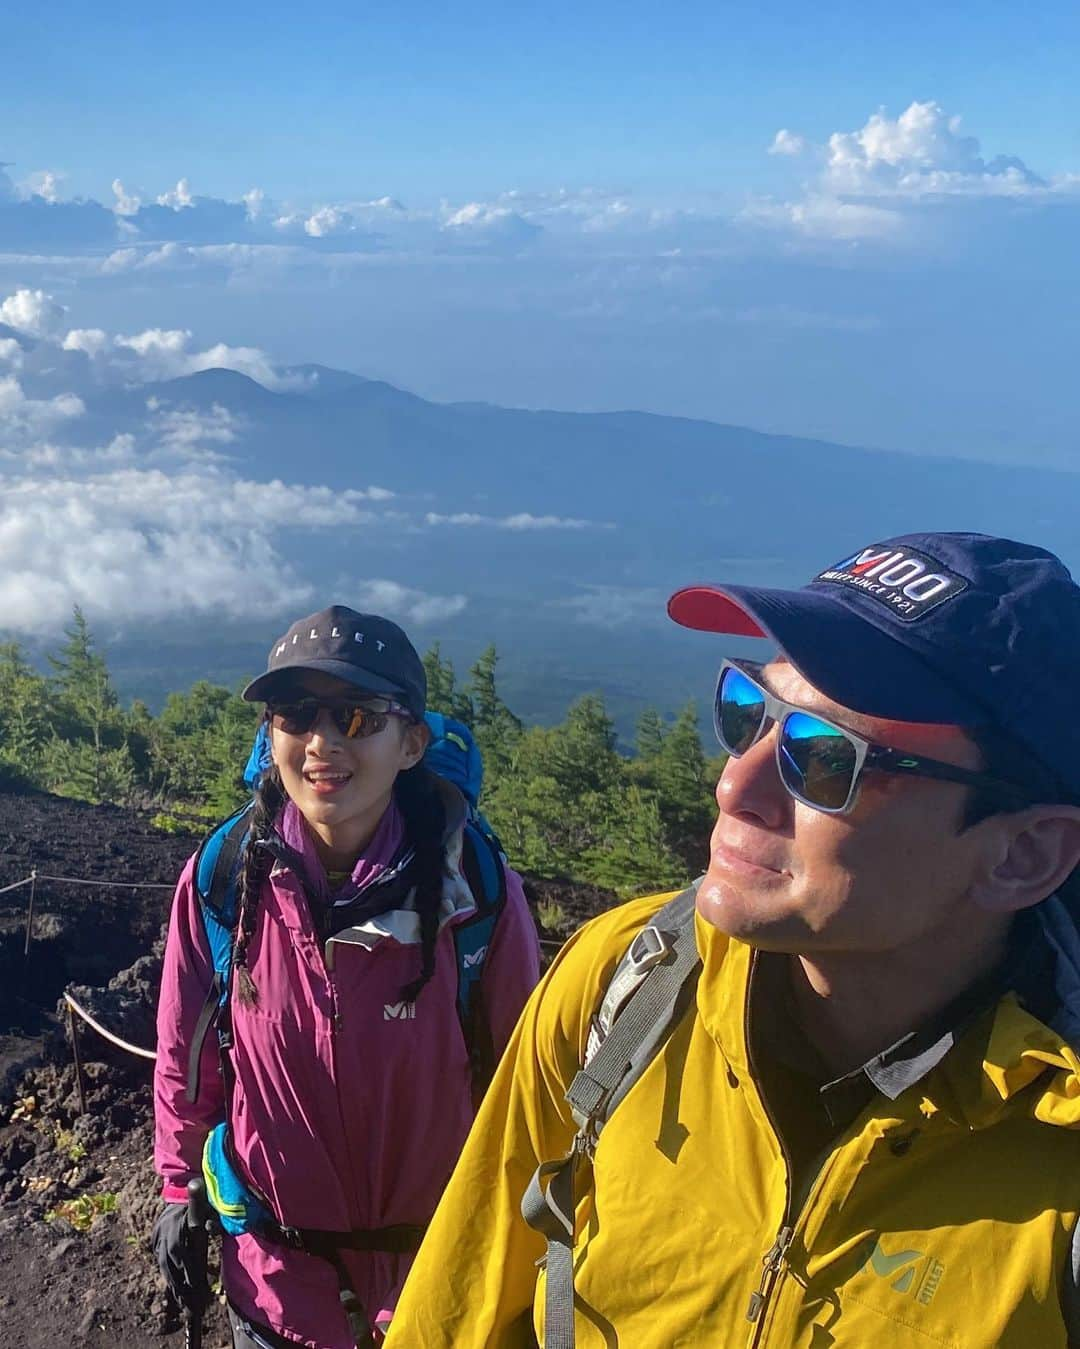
point(637, 1011)
point(640, 1007)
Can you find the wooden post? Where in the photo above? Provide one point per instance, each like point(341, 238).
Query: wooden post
point(73, 1027)
point(30, 915)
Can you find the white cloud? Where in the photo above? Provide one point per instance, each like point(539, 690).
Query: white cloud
point(920, 153)
point(22, 417)
point(405, 604)
point(120, 260)
point(873, 183)
point(92, 341)
point(154, 354)
point(787, 143)
point(178, 197)
point(485, 221)
point(127, 203)
point(134, 544)
point(188, 432)
point(11, 354)
point(522, 521)
point(44, 184)
point(33, 312)
point(328, 220)
point(254, 199)
point(603, 606)
point(825, 217)
point(166, 353)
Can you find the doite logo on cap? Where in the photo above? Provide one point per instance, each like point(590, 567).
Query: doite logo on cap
point(908, 583)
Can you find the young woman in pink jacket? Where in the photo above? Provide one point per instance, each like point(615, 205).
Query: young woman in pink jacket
point(345, 1079)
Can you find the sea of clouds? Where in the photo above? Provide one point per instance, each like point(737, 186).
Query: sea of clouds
point(160, 521)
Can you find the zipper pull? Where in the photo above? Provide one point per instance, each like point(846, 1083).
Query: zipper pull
point(771, 1263)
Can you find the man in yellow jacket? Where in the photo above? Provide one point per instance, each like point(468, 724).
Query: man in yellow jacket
point(861, 1124)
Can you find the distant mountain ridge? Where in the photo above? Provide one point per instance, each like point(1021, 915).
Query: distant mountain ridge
point(566, 530)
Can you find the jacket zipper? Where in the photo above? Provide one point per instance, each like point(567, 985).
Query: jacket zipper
point(774, 1260)
point(772, 1263)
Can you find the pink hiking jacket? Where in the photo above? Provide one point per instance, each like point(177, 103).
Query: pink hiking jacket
point(350, 1107)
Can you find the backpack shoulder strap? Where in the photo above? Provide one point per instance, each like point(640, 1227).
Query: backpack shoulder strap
point(641, 1004)
point(216, 866)
point(647, 995)
point(216, 862)
point(482, 863)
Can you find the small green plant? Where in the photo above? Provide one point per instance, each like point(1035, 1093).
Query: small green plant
point(552, 914)
point(83, 1211)
point(69, 1145)
point(190, 820)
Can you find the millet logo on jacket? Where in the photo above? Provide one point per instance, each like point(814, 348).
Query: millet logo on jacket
point(905, 1265)
point(399, 1011)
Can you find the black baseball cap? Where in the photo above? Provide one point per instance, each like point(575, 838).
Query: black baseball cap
point(964, 629)
point(366, 650)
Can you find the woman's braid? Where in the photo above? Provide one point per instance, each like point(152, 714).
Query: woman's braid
point(421, 805)
point(254, 868)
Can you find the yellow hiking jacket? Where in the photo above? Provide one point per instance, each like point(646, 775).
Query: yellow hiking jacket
point(942, 1218)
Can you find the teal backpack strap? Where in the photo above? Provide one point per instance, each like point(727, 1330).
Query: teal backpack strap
point(648, 994)
point(482, 864)
point(216, 866)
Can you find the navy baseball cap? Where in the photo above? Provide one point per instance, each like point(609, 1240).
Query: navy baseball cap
point(366, 650)
point(963, 629)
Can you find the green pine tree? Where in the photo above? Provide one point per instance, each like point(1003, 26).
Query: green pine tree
point(87, 721)
point(634, 858)
point(496, 728)
point(651, 731)
point(685, 791)
point(24, 719)
point(443, 693)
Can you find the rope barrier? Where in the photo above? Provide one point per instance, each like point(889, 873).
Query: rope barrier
point(110, 885)
point(25, 881)
point(107, 1034)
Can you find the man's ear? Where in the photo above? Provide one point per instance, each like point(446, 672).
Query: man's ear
point(1028, 855)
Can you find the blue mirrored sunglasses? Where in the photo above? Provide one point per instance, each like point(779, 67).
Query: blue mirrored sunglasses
point(819, 762)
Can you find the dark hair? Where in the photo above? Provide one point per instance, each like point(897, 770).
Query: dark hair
point(1005, 758)
point(421, 805)
point(254, 868)
point(420, 801)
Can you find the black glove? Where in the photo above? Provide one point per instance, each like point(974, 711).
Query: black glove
point(180, 1251)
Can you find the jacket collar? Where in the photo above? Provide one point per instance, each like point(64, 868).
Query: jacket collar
point(1026, 1032)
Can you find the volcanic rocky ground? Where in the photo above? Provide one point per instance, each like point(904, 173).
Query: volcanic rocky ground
point(78, 1195)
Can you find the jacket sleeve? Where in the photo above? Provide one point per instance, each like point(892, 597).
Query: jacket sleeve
point(180, 1128)
point(512, 967)
point(473, 1282)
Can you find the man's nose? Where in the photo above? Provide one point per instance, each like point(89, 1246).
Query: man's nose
point(750, 785)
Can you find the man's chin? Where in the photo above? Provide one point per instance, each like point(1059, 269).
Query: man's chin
point(760, 921)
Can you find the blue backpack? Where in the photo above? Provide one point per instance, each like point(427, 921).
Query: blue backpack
point(453, 754)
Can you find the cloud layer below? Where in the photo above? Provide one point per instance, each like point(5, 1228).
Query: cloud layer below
point(156, 523)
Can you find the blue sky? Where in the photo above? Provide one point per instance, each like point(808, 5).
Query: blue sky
point(817, 220)
point(807, 219)
point(471, 98)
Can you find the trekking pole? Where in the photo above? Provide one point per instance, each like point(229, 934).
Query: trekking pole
point(198, 1218)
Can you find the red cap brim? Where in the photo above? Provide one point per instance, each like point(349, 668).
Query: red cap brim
point(710, 610)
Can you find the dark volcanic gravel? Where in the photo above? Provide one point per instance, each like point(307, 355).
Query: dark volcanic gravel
point(63, 1281)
